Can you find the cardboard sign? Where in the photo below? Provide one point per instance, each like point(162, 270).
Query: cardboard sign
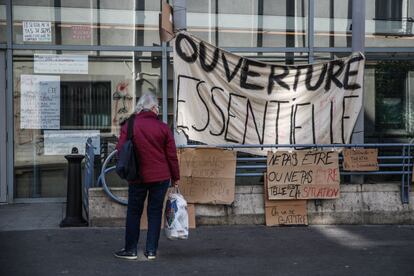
point(285, 212)
point(412, 174)
point(303, 175)
point(207, 175)
point(166, 24)
point(360, 160)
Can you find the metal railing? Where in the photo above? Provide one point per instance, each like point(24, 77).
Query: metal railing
point(399, 163)
point(393, 159)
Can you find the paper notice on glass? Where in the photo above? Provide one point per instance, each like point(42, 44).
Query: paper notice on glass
point(60, 64)
point(37, 31)
point(61, 142)
point(40, 102)
point(81, 32)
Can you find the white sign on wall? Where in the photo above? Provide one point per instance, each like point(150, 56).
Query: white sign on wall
point(223, 98)
point(37, 31)
point(60, 64)
point(39, 102)
point(61, 142)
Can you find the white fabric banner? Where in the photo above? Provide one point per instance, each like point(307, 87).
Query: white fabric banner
point(223, 98)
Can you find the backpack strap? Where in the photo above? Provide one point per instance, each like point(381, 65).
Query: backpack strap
point(130, 132)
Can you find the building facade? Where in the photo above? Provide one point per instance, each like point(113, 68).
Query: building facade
point(71, 69)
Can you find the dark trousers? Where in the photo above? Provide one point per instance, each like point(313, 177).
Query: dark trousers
point(136, 197)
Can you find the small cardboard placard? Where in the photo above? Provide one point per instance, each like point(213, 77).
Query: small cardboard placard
point(360, 160)
point(207, 175)
point(412, 174)
point(303, 174)
point(285, 212)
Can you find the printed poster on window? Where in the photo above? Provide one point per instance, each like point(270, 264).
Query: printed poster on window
point(37, 31)
point(60, 64)
point(40, 102)
point(81, 32)
point(61, 142)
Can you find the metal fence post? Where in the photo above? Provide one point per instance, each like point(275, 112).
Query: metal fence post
point(89, 175)
point(405, 179)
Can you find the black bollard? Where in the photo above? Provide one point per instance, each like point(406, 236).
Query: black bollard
point(74, 196)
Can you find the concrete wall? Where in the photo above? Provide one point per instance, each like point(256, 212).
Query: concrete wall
point(358, 204)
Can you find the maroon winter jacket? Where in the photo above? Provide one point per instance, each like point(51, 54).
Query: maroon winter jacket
point(154, 146)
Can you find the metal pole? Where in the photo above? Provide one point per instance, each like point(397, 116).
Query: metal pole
point(180, 23)
point(358, 26)
point(9, 105)
point(311, 29)
point(405, 179)
point(260, 8)
point(180, 15)
point(164, 78)
point(3, 162)
point(358, 44)
point(290, 29)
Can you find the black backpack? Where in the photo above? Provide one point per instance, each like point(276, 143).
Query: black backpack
point(127, 166)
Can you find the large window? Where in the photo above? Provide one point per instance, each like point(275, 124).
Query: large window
point(61, 98)
point(249, 23)
point(389, 23)
point(87, 105)
point(389, 97)
point(3, 21)
point(333, 23)
point(95, 22)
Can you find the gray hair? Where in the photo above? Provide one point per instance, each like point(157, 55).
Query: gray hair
point(147, 101)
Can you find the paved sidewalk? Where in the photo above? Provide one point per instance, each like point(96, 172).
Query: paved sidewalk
point(214, 250)
point(31, 216)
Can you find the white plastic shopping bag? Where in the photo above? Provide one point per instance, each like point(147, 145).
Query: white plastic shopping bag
point(176, 216)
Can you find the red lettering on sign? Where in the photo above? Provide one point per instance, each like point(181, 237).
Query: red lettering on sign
point(332, 174)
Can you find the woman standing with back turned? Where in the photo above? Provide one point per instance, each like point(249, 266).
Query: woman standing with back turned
point(155, 149)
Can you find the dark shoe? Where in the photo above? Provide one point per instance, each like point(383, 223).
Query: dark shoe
point(124, 254)
point(150, 255)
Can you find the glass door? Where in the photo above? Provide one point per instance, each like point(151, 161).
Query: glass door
point(3, 132)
